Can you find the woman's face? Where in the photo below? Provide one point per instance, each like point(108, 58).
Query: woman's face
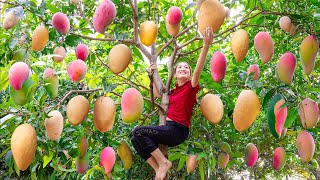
point(182, 71)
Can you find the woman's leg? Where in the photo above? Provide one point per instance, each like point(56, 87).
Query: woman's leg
point(163, 162)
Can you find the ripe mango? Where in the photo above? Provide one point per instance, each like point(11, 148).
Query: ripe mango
point(306, 146)
point(104, 113)
point(279, 158)
point(23, 145)
point(192, 163)
point(218, 66)
point(107, 159)
point(148, 33)
point(285, 23)
point(276, 115)
point(82, 52)
point(61, 23)
point(77, 109)
point(254, 69)
point(51, 82)
point(40, 38)
point(77, 70)
point(125, 154)
point(18, 74)
point(308, 52)
point(131, 105)
point(264, 45)
point(309, 113)
point(54, 124)
point(246, 110)
point(104, 15)
point(82, 164)
point(286, 67)
point(10, 20)
point(173, 19)
point(211, 107)
point(22, 96)
point(251, 154)
point(223, 160)
point(119, 58)
point(60, 53)
point(240, 44)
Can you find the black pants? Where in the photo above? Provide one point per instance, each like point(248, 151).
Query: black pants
point(145, 139)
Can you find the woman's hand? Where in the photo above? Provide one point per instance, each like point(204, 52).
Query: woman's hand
point(208, 37)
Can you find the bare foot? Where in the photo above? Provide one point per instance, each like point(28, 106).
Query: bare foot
point(163, 169)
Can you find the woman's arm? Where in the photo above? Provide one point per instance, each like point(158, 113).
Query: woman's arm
point(207, 40)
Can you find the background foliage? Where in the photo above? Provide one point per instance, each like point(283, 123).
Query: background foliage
point(204, 137)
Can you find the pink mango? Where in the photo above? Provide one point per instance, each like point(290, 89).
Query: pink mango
point(280, 116)
point(309, 113)
point(305, 146)
point(61, 23)
point(18, 74)
point(286, 67)
point(256, 70)
point(279, 158)
point(104, 15)
point(107, 159)
point(131, 105)
point(308, 51)
point(251, 154)
point(82, 52)
point(264, 45)
point(174, 15)
point(82, 164)
point(218, 65)
point(77, 70)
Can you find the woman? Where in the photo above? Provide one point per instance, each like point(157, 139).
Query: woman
point(181, 101)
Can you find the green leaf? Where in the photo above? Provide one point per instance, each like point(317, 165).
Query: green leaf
point(47, 159)
point(181, 162)
point(72, 40)
point(201, 155)
point(267, 97)
point(201, 169)
point(292, 116)
point(175, 156)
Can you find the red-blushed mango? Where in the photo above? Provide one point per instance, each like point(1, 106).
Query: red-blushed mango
point(51, 82)
point(172, 30)
point(104, 113)
point(18, 74)
point(285, 23)
point(82, 52)
point(305, 146)
point(148, 33)
point(23, 145)
point(82, 164)
point(131, 105)
point(54, 125)
point(174, 15)
point(104, 16)
point(225, 147)
point(223, 160)
point(77, 109)
point(192, 163)
point(246, 110)
point(264, 45)
point(40, 38)
point(119, 58)
point(61, 23)
point(10, 20)
point(308, 52)
point(76, 70)
point(240, 44)
point(285, 67)
point(60, 54)
point(211, 107)
point(309, 113)
point(255, 70)
point(211, 14)
point(125, 154)
point(218, 66)
point(83, 146)
point(227, 12)
point(22, 96)
point(107, 159)
point(251, 154)
point(293, 30)
point(279, 158)
point(280, 114)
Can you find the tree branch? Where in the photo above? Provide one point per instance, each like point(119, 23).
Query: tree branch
point(170, 65)
point(126, 41)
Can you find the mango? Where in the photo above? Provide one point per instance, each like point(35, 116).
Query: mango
point(54, 125)
point(82, 164)
point(148, 33)
point(218, 66)
point(211, 107)
point(131, 105)
point(223, 160)
point(61, 23)
point(192, 163)
point(174, 15)
point(107, 159)
point(60, 54)
point(225, 147)
point(77, 109)
point(23, 145)
point(264, 45)
point(306, 146)
point(285, 23)
point(246, 110)
point(82, 52)
point(279, 158)
point(251, 154)
point(308, 52)
point(104, 113)
point(211, 14)
point(240, 44)
point(309, 113)
point(173, 30)
point(293, 30)
point(276, 115)
point(18, 74)
point(51, 82)
point(10, 20)
point(199, 3)
point(40, 38)
point(83, 146)
point(22, 96)
point(286, 67)
point(125, 154)
point(255, 70)
point(77, 70)
point(104, 15)
point(21, 55)
point(119, 58)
